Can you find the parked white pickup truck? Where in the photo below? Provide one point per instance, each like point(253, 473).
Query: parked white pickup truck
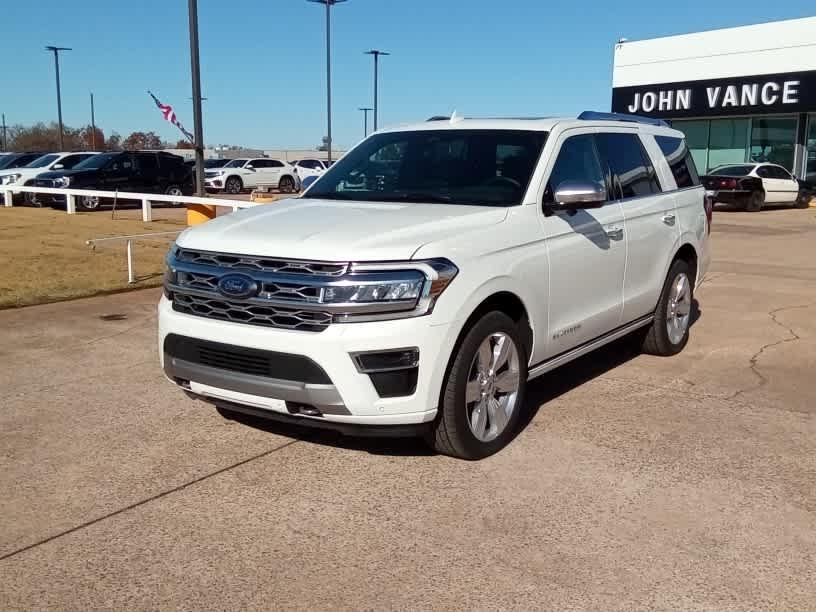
point(240, 174)
point(434, 270)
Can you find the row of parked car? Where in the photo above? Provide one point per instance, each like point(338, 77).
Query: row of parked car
point(144, 172)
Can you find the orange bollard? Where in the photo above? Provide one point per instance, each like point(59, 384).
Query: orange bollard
point(199, 213)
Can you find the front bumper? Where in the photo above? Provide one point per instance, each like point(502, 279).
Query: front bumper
point(347, 396)
point(214, 183)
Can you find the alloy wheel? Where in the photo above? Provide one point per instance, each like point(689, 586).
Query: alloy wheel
point(492, 389)
point(678, 309)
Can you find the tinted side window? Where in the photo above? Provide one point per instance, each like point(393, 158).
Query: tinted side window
point(631, 167)
point(780, 173)
point(259, 163)
point(273, 163)
point(680, 161)
point(764, 172)
point(577, 161)
point(147, 161)
point(69, 161)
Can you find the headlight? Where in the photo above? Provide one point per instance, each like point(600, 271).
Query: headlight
point(11, 178)
point(383, 291)
point(63, 181)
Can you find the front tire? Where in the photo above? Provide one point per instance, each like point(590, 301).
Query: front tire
point(88, 203)
point(286, 185)
point(483, 393)
point(234, 185)
point(669, 332)
point(755, 201)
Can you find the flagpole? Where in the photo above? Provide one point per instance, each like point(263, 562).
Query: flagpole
point(192, 6)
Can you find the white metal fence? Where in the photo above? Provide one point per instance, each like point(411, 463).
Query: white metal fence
point(147, 199)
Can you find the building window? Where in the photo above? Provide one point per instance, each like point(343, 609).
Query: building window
point(772, 140)
point(696, 140)
point(810, 157)
point(728, 142)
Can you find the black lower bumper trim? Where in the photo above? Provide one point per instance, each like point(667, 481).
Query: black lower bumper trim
point(348, 429)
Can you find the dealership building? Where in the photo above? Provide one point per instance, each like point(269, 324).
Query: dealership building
point(739, 94)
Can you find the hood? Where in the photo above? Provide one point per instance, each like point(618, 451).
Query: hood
point(331, 230)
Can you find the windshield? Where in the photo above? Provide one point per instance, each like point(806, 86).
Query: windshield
point(95, 162)
point(477, 167)
point(732, 171)
point(236, 163)
point(43, 161)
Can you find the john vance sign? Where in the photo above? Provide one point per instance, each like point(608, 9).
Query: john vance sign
point(750, 95)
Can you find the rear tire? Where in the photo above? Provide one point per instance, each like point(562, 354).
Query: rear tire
point(483, 394)
point(755, 201)
point(669, 331)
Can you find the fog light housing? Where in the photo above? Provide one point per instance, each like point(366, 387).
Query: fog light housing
point(393, 372)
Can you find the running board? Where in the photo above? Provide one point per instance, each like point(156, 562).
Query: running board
point(559, 360)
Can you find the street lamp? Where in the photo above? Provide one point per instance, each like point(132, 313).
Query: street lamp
point(329, 4)
point(56, 51)
point(376, 53)
point(365, 110)
point(195, 72)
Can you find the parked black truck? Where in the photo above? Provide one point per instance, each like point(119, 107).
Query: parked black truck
point(134, 171)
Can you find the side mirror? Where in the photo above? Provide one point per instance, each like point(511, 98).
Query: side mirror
point(250, 167)
point(577, 195)
point(58, 167)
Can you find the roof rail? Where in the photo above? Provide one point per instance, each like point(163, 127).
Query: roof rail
point(596, 116)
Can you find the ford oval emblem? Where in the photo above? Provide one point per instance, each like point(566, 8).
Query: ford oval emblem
point(237, 286)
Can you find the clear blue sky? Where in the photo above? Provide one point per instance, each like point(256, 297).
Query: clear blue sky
point(263, 61)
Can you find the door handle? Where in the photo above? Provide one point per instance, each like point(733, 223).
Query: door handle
point(668, 219)
point(615, 233)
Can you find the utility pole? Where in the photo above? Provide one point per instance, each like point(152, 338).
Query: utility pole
point(365, 110)
point(56, 51)
point(192, 6)
point(376, 53)
point(329, 4)
point(4, 132)
point(93, 126)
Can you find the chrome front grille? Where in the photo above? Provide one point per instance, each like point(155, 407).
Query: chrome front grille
point(296, 292)
point(263, 264)
point(251, 313)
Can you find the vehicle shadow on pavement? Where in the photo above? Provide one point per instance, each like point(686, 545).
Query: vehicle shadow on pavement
point(539, 391)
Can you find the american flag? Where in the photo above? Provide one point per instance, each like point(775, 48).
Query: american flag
point(170, 115)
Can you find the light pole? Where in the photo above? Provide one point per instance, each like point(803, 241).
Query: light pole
point(195, 69)
point(376, 53)
point(329, 4)
point(365, 110)
point(93, 126)
point(56, 51)
point(4, 132)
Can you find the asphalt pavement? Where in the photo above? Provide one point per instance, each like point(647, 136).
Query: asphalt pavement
point(685, 483)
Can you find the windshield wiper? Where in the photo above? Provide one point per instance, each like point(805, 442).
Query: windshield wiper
point(418, 196)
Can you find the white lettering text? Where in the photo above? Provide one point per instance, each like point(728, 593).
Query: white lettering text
point(749, 95)
point(633, 107)
point(790, 93)
point(683, 99)
point(713, 94)
point(665, 100)
point(730, 97)
point(649, 101)
point(767, 96)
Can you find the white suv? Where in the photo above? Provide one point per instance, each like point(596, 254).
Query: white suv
point(240, 174)
point(427, 276)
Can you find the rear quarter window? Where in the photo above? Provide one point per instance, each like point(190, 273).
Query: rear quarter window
point(680, 161)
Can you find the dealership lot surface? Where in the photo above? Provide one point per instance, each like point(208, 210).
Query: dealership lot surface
point(640, 482)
